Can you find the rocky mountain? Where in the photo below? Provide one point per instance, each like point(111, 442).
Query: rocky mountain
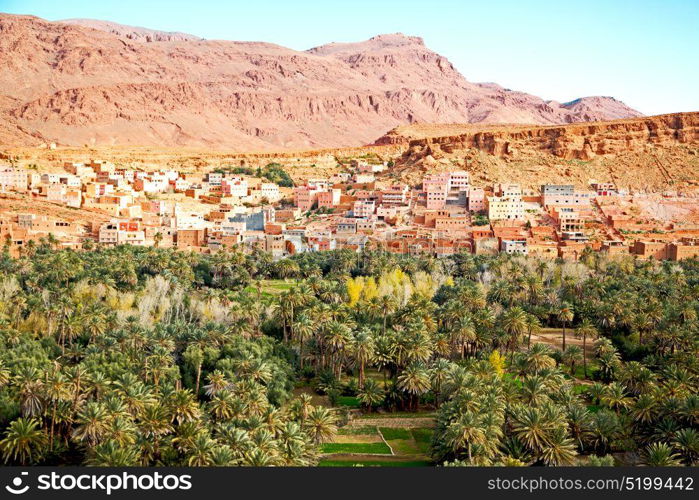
point(134, 33)
point(95, 83)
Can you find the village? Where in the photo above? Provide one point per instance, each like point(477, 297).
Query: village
point(361, 206)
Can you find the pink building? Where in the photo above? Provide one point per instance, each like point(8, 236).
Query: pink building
point(446, 188)
point(306, 196)
point(435, 181)
point(329, 199)
point(459, 180)
point(363, 208)
point(397, 194)
point(12, 178)
point(476, 199)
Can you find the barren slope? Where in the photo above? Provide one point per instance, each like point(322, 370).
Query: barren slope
point(75, 85)
point(655, 153)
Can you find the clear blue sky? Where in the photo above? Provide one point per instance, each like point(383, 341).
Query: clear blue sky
point(644, 52)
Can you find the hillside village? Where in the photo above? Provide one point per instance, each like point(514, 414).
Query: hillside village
point(360, 206)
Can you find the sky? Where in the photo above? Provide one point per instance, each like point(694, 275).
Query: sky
point(643, 52)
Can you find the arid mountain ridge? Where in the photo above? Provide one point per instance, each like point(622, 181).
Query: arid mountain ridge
point(84, 82)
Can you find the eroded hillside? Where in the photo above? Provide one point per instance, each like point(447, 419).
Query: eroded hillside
point(655, 153)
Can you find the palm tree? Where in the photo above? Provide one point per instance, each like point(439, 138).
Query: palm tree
point(533, 326)
point(615, 397)
point(183, 406)
point(464, 332)
point(388, 305)
point(532, 427)
point(535, 390)
point(194, 355)
point(514, 323)
point(92, 423)
point(660, 455)
point(687, 441)
point(154, 423)
point(586, 330)
point(539, 358)
point(559, 449)
point(415, 380)
point(5, 374)
point(579, 423)
point(31, 391)
point(112, 454)
point(304, 328)
point(321, 424)
point(439, 374)
point(604, 431)
point(372, 394)
point(287, 268)
point(336, 337)
point(565, 315)
point(571, 357)
point(362, 348)
point(466, 432)
point(24, 441)
point(57, 390)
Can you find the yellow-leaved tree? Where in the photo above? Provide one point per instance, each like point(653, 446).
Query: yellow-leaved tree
point(497, 362)
point(354, 289)
point(370, 290)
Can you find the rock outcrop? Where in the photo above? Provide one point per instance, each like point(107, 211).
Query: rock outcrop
point(654, 153)
point(579, 141)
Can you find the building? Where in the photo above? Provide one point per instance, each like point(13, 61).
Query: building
point(447, 188)
point(270, 192)
point(685, 249)
point(506, 204)
point(305, 197)
point(187, 238)
point(254, 221)
point(518, 246)
point(567, 218)
point(329, 199)
point(476, 199)
point(363, 208)
point(658, 250)
point(396, 194)
point(118, 232)
point(347, 226)
point(563, 194)
point(13, 179)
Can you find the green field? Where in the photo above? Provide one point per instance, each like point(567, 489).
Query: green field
point(361, 448)
point(408, 442)
point(390, 433)
point(271, 288)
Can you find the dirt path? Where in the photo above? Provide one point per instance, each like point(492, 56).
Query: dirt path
point(554, 338)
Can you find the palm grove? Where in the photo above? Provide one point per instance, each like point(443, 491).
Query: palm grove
point(147, 356)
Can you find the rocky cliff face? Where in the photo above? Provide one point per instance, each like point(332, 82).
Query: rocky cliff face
point(653, 153)
point(98, 83)
point(580, 141)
